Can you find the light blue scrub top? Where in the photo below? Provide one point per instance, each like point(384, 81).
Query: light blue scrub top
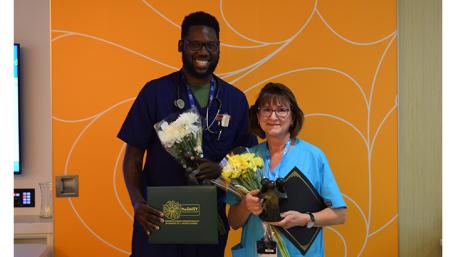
point(313, 164)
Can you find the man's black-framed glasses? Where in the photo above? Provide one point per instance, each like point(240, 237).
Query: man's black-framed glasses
point(280, 112)
point(194, 45)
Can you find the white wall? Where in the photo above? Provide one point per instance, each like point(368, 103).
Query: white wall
point(31, 30)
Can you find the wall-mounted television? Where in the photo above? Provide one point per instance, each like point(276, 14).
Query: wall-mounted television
point(16, 113)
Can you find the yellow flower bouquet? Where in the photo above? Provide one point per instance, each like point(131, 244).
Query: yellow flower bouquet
point(242, 172)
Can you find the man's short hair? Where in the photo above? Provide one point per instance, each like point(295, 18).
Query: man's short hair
point(199, 18)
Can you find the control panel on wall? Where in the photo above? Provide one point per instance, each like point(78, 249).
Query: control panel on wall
point(24, 197)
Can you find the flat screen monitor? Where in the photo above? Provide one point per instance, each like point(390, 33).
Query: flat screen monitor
point(16, 114)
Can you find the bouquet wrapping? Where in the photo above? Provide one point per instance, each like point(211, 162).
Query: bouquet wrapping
point(181, 136)
point(241, 172)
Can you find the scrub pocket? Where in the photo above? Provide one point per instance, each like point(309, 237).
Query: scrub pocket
point(238, 251)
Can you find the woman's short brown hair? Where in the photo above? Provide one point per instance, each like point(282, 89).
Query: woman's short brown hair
point(276, 93)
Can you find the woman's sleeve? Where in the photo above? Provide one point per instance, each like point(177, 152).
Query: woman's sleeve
point(329, 189)
point(231, 199)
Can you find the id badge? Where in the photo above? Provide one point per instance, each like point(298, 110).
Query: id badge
point(223, 120)
point(266, 248)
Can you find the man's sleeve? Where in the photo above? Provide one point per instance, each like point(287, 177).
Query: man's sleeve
point(138, 125)
point(245, 138)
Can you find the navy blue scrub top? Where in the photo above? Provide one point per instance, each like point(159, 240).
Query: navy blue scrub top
point(153, 104)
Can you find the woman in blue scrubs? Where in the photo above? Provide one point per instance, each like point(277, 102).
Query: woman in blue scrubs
point(277, 117)
point(194, 85)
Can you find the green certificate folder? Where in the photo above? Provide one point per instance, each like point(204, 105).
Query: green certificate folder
point(190, 214)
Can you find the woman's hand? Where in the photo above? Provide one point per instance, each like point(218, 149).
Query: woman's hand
point(325, 217)
point(239, 213)
point(292, 219)
point(253, 203)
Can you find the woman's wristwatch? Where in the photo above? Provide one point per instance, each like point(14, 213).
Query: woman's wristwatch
point(311, 222)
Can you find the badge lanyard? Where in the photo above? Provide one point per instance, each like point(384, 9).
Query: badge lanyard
point(191, 99)
point(225, 118)
point(267, 247)
point(268, 160)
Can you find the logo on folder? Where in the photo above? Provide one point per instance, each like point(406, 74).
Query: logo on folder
point(177, 213)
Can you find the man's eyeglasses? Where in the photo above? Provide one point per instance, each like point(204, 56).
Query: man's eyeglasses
point(211, 46)
point(280, 112)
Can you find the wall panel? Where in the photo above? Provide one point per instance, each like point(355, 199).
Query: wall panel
point(339, 57)
point(420, 128)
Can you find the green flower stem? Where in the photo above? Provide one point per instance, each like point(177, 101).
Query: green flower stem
point(282, 248)
point(186, 147)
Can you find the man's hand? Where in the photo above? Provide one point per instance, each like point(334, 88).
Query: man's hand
point(149, 218)
point(207, 169)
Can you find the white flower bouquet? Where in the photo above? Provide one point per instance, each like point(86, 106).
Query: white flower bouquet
point(181, 136)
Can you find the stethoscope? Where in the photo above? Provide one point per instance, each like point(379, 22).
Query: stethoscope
point(179, 103)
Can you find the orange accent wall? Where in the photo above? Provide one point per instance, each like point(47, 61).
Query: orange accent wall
point(339, 58)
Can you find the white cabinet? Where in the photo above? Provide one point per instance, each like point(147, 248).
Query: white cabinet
point(31, 233)
point(31, 250)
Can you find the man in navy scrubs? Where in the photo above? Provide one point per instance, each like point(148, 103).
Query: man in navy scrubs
point(223, 109)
